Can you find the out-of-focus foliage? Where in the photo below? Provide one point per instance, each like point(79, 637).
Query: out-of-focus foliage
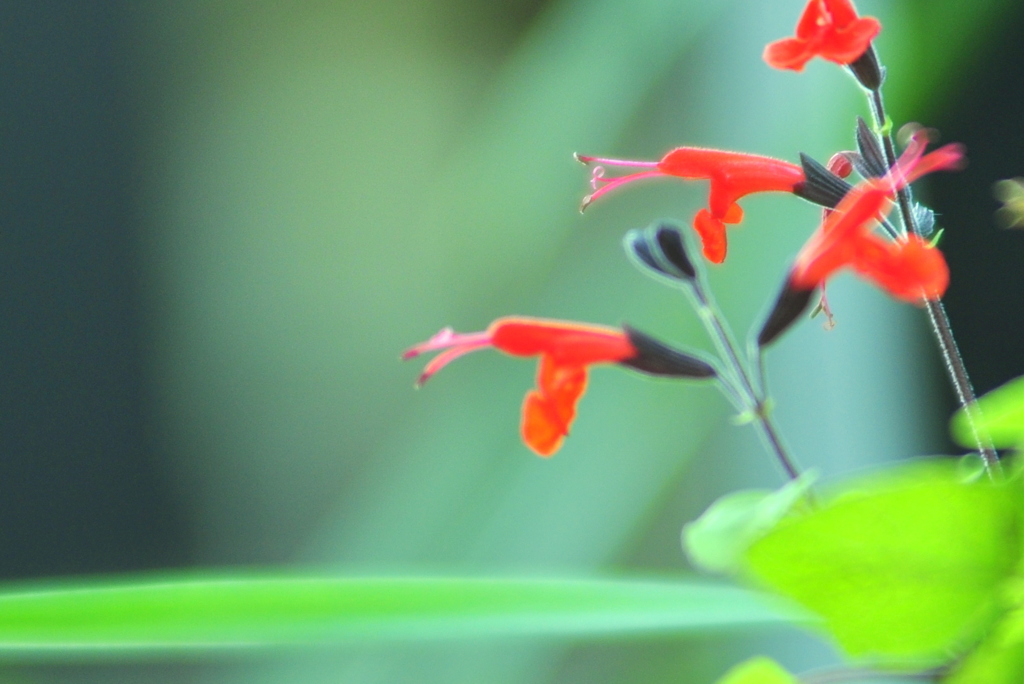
point(325, 183)
point(906, 566)
point(1011, 193)
point(999, 659)
point(718, 540)
point(175, 614)
point(1000, 414)
point(758, 671)
point(993, 662)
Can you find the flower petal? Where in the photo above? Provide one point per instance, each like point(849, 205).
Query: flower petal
point(788, 53)
point(811, 19)
point(565, 342)
point(563, 385)
point(548, 412)
point(712, 236)
point(911, 270)
point(846, 45)
point(842, 12)
point(831, 247)
point(734, 214)
point(541, 429)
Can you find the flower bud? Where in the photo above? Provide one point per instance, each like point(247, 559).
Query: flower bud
point(661, 248)
point(791, 303)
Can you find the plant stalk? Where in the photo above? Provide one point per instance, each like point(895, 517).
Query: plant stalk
point(941, 327)
point(756, 402)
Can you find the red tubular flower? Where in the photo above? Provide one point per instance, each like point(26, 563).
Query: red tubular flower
point(829, 29)
point(908, 269)
point(733, 175)
point(566, 350)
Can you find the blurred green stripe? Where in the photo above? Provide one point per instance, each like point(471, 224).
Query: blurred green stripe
point(149, 615)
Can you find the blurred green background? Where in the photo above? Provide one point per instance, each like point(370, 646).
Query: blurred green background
point(222, 223)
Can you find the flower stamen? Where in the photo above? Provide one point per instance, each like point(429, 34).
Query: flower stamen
point(454, 343)
point(608, 184)
point(583, 159)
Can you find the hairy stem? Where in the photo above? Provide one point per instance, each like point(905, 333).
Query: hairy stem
point(941, 327)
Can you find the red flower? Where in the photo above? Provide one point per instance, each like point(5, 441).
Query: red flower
point(829, 29)
point(908, 269)
point(732, 174)
point(565, 350)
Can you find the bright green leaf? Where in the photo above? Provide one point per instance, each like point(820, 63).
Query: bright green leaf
point(176, 614)
point(906, 565)
point(995, 661)
point(1011, 627)
point(719, 538)
point(1000, 413)
point(758, 670)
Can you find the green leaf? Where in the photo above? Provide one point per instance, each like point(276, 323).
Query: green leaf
point(719, 538)
point(201, 612)
point(907, 565)
point(995, 661)
point(1011, 626)
point(758, 670)
point(1000, 413)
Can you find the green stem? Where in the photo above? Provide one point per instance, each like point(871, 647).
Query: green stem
point(711, 317)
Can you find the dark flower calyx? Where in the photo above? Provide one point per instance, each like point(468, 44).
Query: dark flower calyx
point(821, 185)
point(867, 70)
point(661, 248)
point(858, 163)
point(791, 303)
point(657, 358)
point(872, 159)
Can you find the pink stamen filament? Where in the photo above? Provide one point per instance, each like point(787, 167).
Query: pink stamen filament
point(615, 162)
point(455, 344)
point(612, 183)
point(446, 357)
point(899, 175)
point(445, 338)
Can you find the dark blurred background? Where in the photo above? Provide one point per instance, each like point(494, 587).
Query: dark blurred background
point(221, 222)
point(83, 486)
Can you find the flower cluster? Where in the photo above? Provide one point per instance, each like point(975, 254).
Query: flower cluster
point(902, 263)
point(907, 268)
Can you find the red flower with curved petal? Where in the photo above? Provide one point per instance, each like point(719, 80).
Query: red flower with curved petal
point(909, 269)
point(566, 350)
point(829, 29)
point(733, 175)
